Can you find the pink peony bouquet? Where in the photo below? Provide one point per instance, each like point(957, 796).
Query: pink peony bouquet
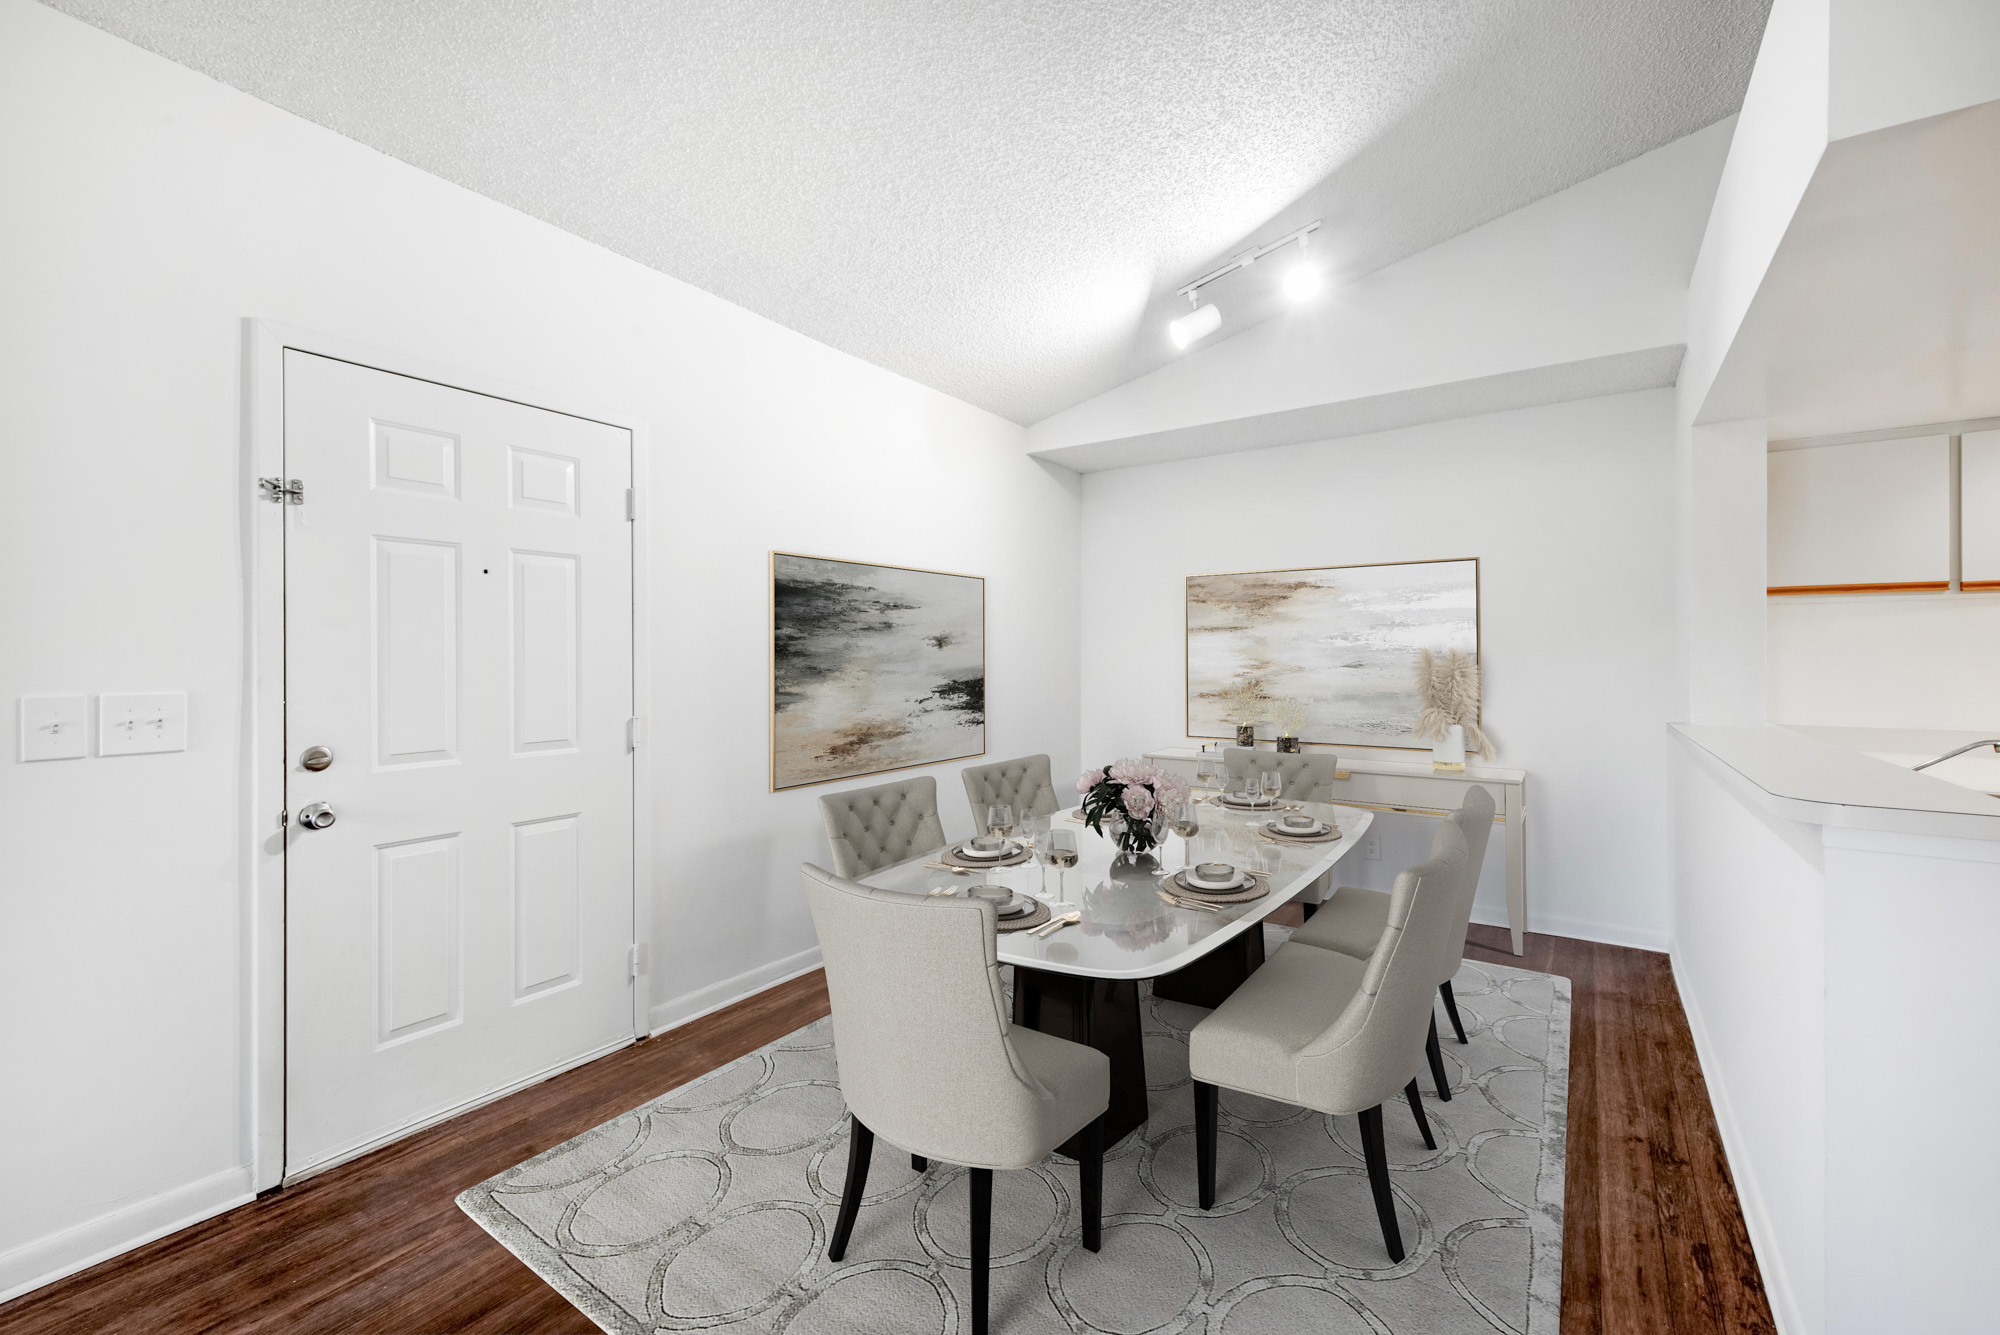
point(1136, 797)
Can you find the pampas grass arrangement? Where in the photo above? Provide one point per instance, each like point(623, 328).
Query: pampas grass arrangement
point(1288, 716)
point(1243, 703)
point(1448, 693)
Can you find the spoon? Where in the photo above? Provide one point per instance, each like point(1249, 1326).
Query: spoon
point(1055, 924)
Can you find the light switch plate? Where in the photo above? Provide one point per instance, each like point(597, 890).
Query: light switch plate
point(132, 725)
point(53, 727)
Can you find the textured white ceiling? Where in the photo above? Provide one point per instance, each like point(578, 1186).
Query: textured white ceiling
point(996, 199)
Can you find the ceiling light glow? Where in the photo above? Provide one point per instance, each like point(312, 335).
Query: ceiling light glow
point(1303, 281)
point(1196, 325)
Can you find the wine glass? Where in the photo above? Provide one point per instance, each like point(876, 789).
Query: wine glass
point(1000, 820)
point(1204, 773)
point(1270, 783)
point(1187, 825)
point(1062, 853)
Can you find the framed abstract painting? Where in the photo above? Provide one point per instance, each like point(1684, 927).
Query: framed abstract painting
point(873, 668)
point(1340, 642)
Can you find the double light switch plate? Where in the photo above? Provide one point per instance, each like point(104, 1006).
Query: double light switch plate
point(131, 725)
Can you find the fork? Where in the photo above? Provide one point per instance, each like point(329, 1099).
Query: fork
point(1054, 925)
point(1180, 903)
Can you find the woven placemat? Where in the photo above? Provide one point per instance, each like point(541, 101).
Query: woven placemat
point(952, 857)
point(1034, 917)
point(1329, 837)
point(1259, 886)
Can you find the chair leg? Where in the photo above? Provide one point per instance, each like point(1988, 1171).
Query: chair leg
point(1090, 1175)
point(1205, 1097)
point(918, 1163)
point(1437, 1063)
point(860, 1145)
point(1451, 1009)
point(982, 1243)
point(1377, 1155)
point(1416, 1099)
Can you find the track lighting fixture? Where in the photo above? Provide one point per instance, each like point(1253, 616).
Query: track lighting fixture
point(1196, 325)
point(1302, 282)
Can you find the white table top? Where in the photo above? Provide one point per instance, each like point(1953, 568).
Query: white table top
point(1127, 931)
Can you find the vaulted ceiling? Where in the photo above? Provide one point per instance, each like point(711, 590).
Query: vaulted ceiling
point(996, 199)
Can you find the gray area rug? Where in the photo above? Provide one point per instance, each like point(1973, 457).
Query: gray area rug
point(709, 1208)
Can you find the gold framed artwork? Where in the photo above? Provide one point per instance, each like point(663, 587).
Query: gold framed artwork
point(873, 668)
point(1341, 641)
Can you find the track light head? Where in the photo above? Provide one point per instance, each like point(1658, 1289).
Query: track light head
point(1196, 325)
point(1303, 281)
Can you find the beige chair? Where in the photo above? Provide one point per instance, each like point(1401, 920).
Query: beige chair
point(1022, 784)
point(1307, 778)
point(872, 828)
point(1329, 1032)
point(927, 1057)
point(1351, 921)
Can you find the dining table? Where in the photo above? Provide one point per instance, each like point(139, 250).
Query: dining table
point(1081, 980)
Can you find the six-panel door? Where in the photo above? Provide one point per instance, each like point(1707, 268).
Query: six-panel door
point(458, 630)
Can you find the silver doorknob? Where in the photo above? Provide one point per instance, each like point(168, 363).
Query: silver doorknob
point(315, 815)
point(316, 758)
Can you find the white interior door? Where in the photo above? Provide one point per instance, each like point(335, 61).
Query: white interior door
point(458, 632)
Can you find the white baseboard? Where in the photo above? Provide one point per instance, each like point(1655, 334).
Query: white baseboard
point(1579, 929)
point(706, 1000)
point(48, 1259)
point(1756, 1216)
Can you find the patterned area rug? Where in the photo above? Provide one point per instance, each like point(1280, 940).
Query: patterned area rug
point(710, 1207)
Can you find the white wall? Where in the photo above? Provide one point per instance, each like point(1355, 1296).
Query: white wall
point(1570, 510)
point(1749, 921)
point(1912, 660)
point(150, 211)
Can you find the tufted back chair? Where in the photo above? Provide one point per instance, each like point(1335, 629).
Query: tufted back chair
point(1308, 778)
point(1022, 784)
point(1363, 1058)
point(873, 828)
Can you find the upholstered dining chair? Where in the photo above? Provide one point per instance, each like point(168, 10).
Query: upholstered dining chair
point(872, 828)
point(1022, 784)
point(928, 1059)
point(1307, 778)
point(1332, 1033)
point(1351, 920)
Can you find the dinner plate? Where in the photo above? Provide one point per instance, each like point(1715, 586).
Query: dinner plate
point(1312, 831)
point(968, 851)
point(1242, 803)
point(1018, 906)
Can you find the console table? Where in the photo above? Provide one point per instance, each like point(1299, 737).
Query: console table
point(1412, 787)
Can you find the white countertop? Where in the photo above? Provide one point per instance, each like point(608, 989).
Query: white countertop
point(1127, 931)
point(1364, 762)
point(1810, 778)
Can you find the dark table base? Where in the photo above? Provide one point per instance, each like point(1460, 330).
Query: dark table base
point(1104, 1013)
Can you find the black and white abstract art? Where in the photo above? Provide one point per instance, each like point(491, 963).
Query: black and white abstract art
point(873, 668)
point(1341, 640)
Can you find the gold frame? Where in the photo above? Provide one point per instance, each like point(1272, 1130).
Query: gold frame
point(771, 667)
point(1187, 719)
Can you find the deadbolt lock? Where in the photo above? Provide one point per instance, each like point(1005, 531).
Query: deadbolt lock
point(316, 758)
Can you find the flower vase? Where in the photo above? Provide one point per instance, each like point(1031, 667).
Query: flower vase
point(1246, 734)
point(1136, 838)
point(1289, 745)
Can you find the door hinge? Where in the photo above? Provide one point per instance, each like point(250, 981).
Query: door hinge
point(282, 491)
point(636, 958)
point(635, 733)
point(631, 503)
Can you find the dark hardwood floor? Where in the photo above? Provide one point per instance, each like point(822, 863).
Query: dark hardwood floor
point(1653, 1239)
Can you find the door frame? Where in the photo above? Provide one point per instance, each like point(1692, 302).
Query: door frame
point(264, 759)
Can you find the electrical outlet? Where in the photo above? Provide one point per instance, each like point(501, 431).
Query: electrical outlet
point(53, 727)
point(1371, 847)
point(131, 725)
